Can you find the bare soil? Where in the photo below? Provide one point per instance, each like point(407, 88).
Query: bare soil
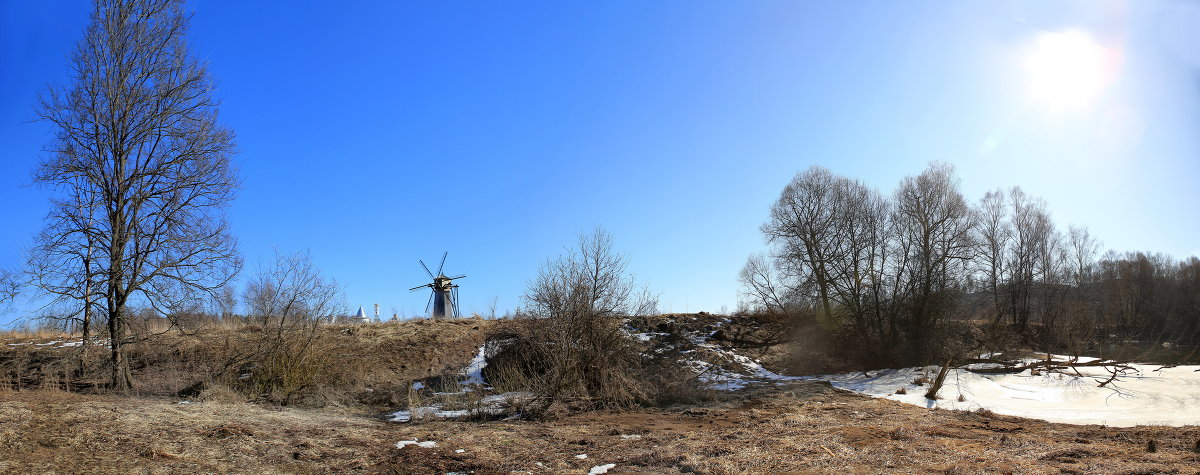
point(797, 427)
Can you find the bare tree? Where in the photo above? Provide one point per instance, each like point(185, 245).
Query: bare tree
point(491, 307)
point(137, 135)
point(934, 226)
point(292, 292)
point(763, 285)
point(1050, 266)
point(803, 228)
point(1031, 229)
point(993, 233)
point(590, 280)
point(573, 347)
point(224, 302)
point(644, 302)
point(858, 266)
point(63, 263)
point(1082, 249)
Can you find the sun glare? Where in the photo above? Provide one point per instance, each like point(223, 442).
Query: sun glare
point(1066, 70)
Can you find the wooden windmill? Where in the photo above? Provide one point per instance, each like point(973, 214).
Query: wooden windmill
point(443, 298)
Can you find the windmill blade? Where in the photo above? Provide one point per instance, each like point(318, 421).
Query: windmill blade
point(430, 302)
point(431, 276)
point(455, 299)
point(421, 286)
point(443, 262)
point(456, 277)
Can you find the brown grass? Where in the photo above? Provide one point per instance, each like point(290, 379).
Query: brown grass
point(801, 427)
point(352, 364)
point(339, 426)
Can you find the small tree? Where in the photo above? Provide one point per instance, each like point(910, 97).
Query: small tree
point(63, 264)
point(764, 287)
point(287, 303)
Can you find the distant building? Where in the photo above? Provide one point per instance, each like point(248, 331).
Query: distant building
point(362, 317)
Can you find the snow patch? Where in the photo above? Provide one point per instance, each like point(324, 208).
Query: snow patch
point(428, 444)
point(647, 336)
point(474, 369)
point(599, 469)
point(495, 404)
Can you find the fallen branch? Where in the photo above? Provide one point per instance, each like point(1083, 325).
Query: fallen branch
point(1013, 367)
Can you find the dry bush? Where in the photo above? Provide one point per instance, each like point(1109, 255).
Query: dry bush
point(569, 362)
point(568, 346)
point(574, 366)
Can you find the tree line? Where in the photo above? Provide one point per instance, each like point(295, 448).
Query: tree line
point(922, 274)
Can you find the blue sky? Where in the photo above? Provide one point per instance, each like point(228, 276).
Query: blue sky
point(373, 134)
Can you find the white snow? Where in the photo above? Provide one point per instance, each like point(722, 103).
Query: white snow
point(58, 343)
point(645, 337)
point(599, 469)
point(417, 386)
point(474, 369)
point(581, 456)
point(459, 451)
point(1148, 395)
point(428, 444)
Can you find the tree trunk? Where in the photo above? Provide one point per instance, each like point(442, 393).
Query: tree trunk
point(122, 381)
point(87, 309)
point(937, 382)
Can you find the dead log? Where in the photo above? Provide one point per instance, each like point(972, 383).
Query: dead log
point(937, 382)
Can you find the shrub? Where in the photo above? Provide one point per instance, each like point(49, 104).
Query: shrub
point(568, 346)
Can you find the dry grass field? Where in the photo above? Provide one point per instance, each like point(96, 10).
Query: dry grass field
point(798, 427)
point(341, 425)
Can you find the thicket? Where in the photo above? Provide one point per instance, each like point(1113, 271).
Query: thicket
point(568, 347)
point(923, 276)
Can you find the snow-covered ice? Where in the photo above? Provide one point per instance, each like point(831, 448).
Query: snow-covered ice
point(1148, 395)
point(599, 469)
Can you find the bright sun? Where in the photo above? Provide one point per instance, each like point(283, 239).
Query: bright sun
point(1066, 70)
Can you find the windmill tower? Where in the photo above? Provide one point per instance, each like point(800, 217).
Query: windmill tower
point(443, 298)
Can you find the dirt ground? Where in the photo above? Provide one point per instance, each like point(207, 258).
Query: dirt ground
point(798, 427)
